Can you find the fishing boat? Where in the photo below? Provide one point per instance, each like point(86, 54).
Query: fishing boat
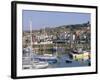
point(80, 55)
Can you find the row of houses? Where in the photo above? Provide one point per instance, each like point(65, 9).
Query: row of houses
point(77, 36)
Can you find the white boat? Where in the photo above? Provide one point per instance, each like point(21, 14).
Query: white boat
point(39, 64)
point(26, 62)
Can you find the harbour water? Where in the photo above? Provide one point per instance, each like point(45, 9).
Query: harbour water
point(57, 59)
point(62, 63)
point(65, 61)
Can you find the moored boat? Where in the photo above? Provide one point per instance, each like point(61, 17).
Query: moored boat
point(39, 64)
point(68, 61)
point(48, 58)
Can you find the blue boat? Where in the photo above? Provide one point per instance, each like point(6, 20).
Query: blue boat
point(49, 58)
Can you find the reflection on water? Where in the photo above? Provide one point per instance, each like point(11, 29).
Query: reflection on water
point(62, 57)
point(62, 63)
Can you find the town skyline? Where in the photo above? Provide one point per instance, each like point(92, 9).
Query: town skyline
point(41, 19)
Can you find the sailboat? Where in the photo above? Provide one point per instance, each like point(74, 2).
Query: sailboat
point(33, 62)
point(51, 58)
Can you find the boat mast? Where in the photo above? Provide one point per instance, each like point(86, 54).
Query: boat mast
point(44, 40)
point(31, 34)
point(71, 39)
point(30, 25)
point(56, 49)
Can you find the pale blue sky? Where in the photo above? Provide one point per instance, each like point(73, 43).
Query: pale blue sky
point(41, 19)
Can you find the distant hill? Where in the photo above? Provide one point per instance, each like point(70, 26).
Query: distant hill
point(62, 28)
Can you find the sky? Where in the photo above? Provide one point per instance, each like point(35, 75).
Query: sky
point(43, 19)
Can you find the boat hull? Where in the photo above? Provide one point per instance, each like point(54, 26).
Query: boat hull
point(47, 58)
point(40, 65)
